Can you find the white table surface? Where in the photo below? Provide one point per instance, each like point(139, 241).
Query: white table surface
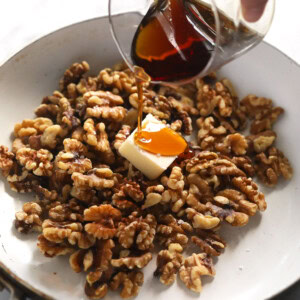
point(22, 22)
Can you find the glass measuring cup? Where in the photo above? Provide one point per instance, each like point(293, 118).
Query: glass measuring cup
point(226, 33)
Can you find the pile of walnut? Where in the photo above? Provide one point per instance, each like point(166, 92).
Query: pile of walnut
point(95, 206)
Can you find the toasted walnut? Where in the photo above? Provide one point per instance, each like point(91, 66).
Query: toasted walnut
point(96, 286)
point(181, 115)
point(131, 283)
point(57, 232)
point(175, 181)
point(168, 263)
point(50, 136)
point(71, 211)
point(121, 136)
point(154, 104)
point(171, 230)
point(219, 166)
point(209, 242)
point(73, 159)
point(78, 134)
point(262, 141)
point(250, 189)
point(86, 85)
point(193, 268)
point(153, 195)
point(23, 183)
point(99, 256)
point(209, 133)
point(96, 137)
point(103, 218)
point(16, 145)
point(86, 195)
point(117, 81)
point(39, 162)
point(98, 178)
point(29, 219)
point(49, 111)
point(132, 262)
point(255, 106)
point(235, 143)
point(206, 98)
point(73, 74)
point(103, 106)
point(244, 163)
point(201, 221)
point(225, 98)
point(236, 200)
point(31, 127)
point(6, 160)
point(140, 231)
point(51, 249)
point(176, 125)
point(266, 121)
point(271, 166)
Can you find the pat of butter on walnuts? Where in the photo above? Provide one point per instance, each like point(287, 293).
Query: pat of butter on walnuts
point(151, 165)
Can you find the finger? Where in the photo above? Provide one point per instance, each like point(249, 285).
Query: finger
point(253, 9)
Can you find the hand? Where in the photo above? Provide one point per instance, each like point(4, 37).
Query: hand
point(253, 9)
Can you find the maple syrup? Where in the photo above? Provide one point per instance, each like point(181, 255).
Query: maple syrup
point(155, 138)
point(168, 45)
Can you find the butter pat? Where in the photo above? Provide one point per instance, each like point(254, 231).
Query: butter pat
point(151, 165)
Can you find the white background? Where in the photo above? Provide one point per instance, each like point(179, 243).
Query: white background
point(24, 21)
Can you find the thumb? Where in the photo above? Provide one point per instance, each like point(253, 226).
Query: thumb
point(253, 9)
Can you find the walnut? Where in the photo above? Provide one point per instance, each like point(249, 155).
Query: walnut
point(53, 99)
point(131, 118)
point(171, 230)
point(176, 125)
point(102, 98)
point(78, 134)
point(86, 85)
point(245, 164)
point(206, 98)
point(103, 218)
point(193, 268)
point(57, 232)
point(168, 263)
point(154, 104)
point(225, 98)
point(50, 136)
point(50, 249)
point(73, 74)
point(29, 219)
point(201, 221)
point(139, 231)
point(209, 242)
point(23, 183)
point(153, 195)
point(6, 160)
point(96, 257)
point(175, 181)
point(132, 262)
point(262, 141)
point(96, 137)
point(66, 116)
point(236, 200)
point(85, 195)
point(117, 81)
point(96, 286)
point(73, 159)
point(181, 115)
point(131, 282)
point(39, 162)
point(255, 106)
point(71, 211)
point(103, 106)
point(235, 143)
point(210, 160)
point(250, 189)
point(49, 111)
point(98, 178)
point(269, 167)
point(266, 121)
point(31, 127)
point(126, 195)
point(121, 136)
point(16, 145)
